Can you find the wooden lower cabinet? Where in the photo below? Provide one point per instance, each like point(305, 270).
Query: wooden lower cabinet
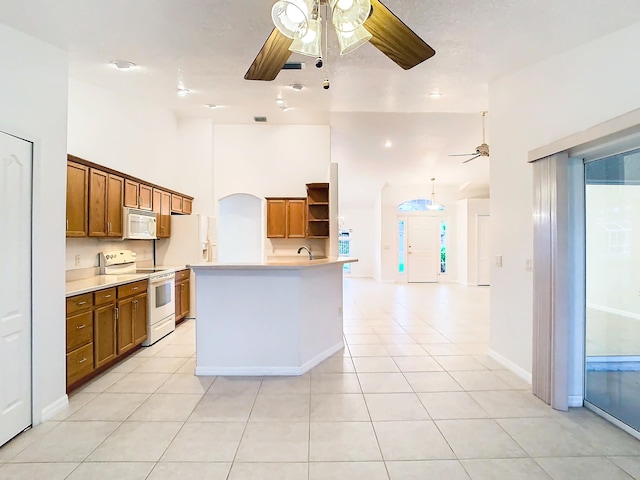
point(104, 335)
point(183, 294)
point(103, 327)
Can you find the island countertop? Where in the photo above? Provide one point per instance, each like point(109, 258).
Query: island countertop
point(288, 262)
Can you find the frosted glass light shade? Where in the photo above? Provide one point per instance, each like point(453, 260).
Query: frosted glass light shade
point(349, 41)
point(310, 44)
point(291, 17)
point(348, 15)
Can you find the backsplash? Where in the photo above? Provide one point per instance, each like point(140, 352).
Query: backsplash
point(279, 247)
point(83, 254)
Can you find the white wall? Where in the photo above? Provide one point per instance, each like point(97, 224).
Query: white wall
point(33, 95)
point(361, 223)
point(531, 108)
point(195, 154)
point(462, 231)
point(126, 134)
point(394, 195)
point(270, 161)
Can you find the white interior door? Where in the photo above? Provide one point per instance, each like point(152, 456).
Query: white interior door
point(15, 294)
point(423, 249)
point(484, 265)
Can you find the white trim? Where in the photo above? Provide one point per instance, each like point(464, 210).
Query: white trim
point(516, 369)
point(54, 408)
point(576, 401)
point(615, 311)
point(270, 371)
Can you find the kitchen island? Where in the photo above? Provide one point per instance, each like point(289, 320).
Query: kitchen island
point(279, 317)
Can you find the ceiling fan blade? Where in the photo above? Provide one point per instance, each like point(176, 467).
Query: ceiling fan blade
point(463, 154)
point(271, 58)
point(472, 158)
point(393, 38)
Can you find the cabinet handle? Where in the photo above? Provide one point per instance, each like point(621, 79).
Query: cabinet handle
point(139, 200)
point(67, 224)
point(135, 288)
point(81, 303)
point(83, 360)
point(80, 327)
point(106, 296)
point(117, 313)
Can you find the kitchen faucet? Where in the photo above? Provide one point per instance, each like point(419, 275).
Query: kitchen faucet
point(308, 251)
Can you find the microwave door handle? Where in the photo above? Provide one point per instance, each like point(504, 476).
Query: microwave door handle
point(152, 227)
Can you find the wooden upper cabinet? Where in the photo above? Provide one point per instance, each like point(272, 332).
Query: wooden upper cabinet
point(137, 195)
point(105, 204)
point(296, 218)
point(187, 205)
point(276, 218)
point(162, 207)
point(98, 203)
point(145, 196)
point(286, 217)
point(77, 199)
point(176, 203)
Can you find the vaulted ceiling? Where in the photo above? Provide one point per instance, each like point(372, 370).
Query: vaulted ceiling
point(208, 45)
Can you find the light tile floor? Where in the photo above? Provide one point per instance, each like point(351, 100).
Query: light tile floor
point(413, 396)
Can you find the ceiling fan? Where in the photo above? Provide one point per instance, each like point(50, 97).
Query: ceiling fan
point(299, 28)
point(482, 150)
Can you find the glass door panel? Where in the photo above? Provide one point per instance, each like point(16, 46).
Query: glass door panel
point(612, 216)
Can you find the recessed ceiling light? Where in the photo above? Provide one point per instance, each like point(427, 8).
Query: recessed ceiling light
point(435, 94)
point(297, 86)
point(183, 91)
point(123, 65)
point(212, 106)
point(285, 108)
point(388, 144)
point(280, 101)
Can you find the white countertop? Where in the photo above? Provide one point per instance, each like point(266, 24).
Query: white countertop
point(276, 263)
point(98, 282)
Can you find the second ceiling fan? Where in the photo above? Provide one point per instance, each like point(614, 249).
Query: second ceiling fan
point(299, 29)
point(482, 150)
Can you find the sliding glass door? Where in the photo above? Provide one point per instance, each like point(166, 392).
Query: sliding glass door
point(612, 216)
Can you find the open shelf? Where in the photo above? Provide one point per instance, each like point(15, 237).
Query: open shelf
point(317, 210)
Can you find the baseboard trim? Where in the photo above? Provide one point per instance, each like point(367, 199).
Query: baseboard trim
point(516, 369)
point(51, 410)
point(270, 371)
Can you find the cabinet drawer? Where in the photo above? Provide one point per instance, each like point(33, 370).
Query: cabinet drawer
point(79, 363)
point(182, 275)
point(79, 330)
point(79, 303)
point(132, 288)
point(103, 297)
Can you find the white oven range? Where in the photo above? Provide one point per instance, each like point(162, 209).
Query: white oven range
point(161, 318)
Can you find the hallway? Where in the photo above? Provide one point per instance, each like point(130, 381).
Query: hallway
point(413, 396)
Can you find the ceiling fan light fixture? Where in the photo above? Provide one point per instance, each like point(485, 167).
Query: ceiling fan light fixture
point(291, 17)
point(309, 44)
point(348, 15)
point(350, 41)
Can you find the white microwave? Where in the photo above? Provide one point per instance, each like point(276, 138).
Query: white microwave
point(139, 224)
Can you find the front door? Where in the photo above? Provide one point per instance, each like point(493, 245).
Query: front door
point(423, 249)
point(15, 294)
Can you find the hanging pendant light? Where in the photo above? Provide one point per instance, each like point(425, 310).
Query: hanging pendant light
point(291, 17)
point(310, 43)
point(434, 205)
point(351, 40)
point(347, 15)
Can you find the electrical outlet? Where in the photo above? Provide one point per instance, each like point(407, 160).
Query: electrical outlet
point(498, 260)
point(77, 260)
point(528, 266)
point(339, 311)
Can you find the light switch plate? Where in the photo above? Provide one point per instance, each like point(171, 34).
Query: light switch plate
point(498, 260)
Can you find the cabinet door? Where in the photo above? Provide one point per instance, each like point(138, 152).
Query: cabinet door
point(77, 199)
point(187, 206)
point(145, 197)
point(139, 318)
point(131, 193)
point(125, 324)
point(104, 335)
point(114, 206)
point(185, 298)
point(176, 203)
point(165, 215)
point(276, 218)
point(178, 300)
point(296, 218)
point(98, 181)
